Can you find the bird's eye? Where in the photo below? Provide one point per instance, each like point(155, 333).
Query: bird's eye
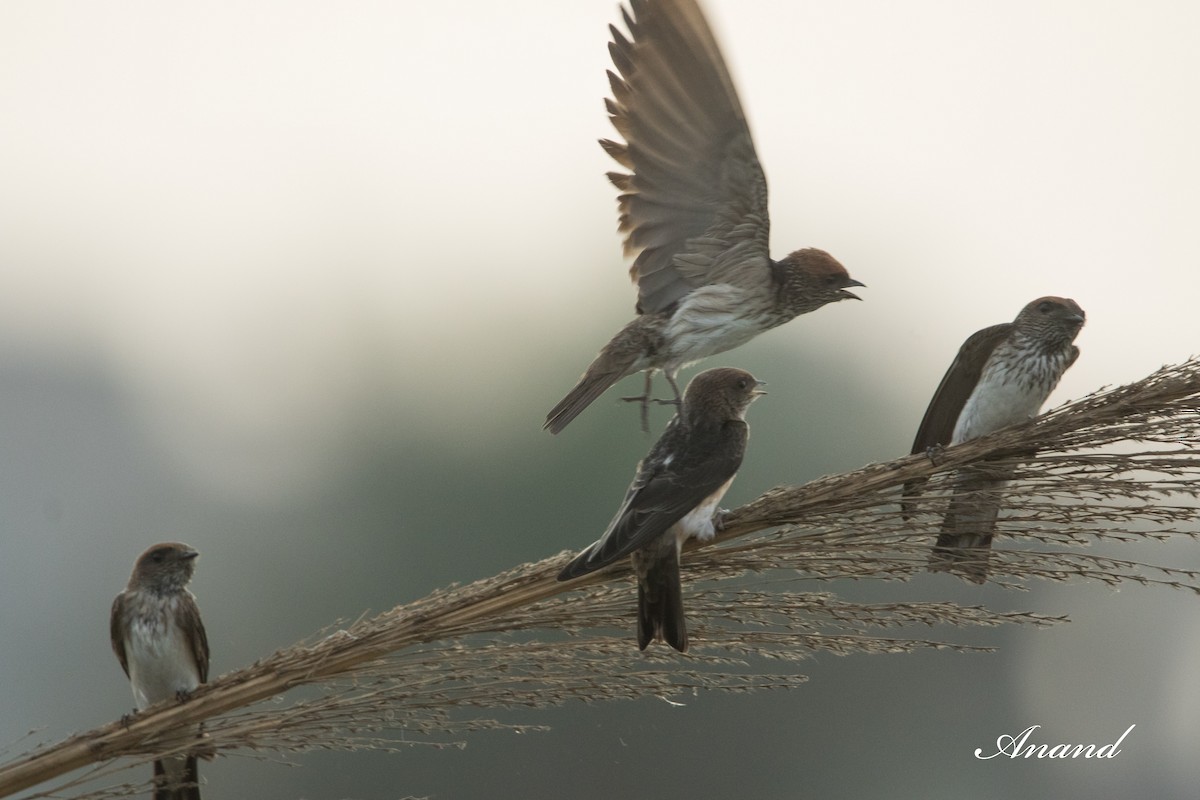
point(1045, 306)
point(157, 556)
point(742, 384)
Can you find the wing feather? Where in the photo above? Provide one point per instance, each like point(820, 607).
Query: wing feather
point(694, 209)
point(950, 397)
point(662, 493)
point(117, 633)
point(937, 426)
point(197, 639)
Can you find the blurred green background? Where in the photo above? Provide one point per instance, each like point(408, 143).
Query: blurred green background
point(296, 283)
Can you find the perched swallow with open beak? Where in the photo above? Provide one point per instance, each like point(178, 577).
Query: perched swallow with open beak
point(674, 496)
point(1001, 376)
point(159, 639)
point(693, 208)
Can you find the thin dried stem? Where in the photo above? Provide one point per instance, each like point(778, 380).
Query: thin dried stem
point(1118, 465)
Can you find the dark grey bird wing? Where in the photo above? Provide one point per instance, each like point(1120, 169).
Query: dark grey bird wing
point(680, 473)
point(941, 416)
point(190, 620)
point(937, 426)
point(694, 209)
point(116, 633)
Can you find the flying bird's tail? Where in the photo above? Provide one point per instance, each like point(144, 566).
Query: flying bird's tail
point(628, 352)
point(176, 779)
point(593, 384)
point(964, 546)
point(660, 601)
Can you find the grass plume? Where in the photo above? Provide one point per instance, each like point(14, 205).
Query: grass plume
point(1118, 465)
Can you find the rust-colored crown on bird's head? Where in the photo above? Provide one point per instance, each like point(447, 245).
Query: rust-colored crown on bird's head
point(809, 279)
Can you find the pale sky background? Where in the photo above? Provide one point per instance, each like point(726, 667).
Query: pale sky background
point(243, 243)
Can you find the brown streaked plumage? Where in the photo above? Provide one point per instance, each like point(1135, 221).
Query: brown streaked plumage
point(674, 496)
point(159, 638)
point(1001, 376)
point(693, 210)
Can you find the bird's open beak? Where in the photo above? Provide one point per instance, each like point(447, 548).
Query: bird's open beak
point(759, 392)
point(851, 295)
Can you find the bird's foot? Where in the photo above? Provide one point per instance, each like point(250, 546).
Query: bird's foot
point(182, 695)
point(645, 401)
point(127, 719)
point(934, 452)
point(718, 520)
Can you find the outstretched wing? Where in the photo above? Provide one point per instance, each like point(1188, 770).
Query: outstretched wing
point(670, 483)
point(694, 209)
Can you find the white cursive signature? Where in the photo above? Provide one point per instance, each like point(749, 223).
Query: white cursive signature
point(1018, 747)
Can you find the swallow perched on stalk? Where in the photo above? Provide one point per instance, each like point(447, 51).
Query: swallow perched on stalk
point(1001, 376)
point(693, 208)
point(674, 496)
point(159, 639)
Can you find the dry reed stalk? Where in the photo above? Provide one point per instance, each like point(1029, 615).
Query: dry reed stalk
point(1118, 465)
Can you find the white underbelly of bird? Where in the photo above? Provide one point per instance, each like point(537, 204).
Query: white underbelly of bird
point(160, 662)
point(698, 523)
point(1000, 399)
point(711, 320)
